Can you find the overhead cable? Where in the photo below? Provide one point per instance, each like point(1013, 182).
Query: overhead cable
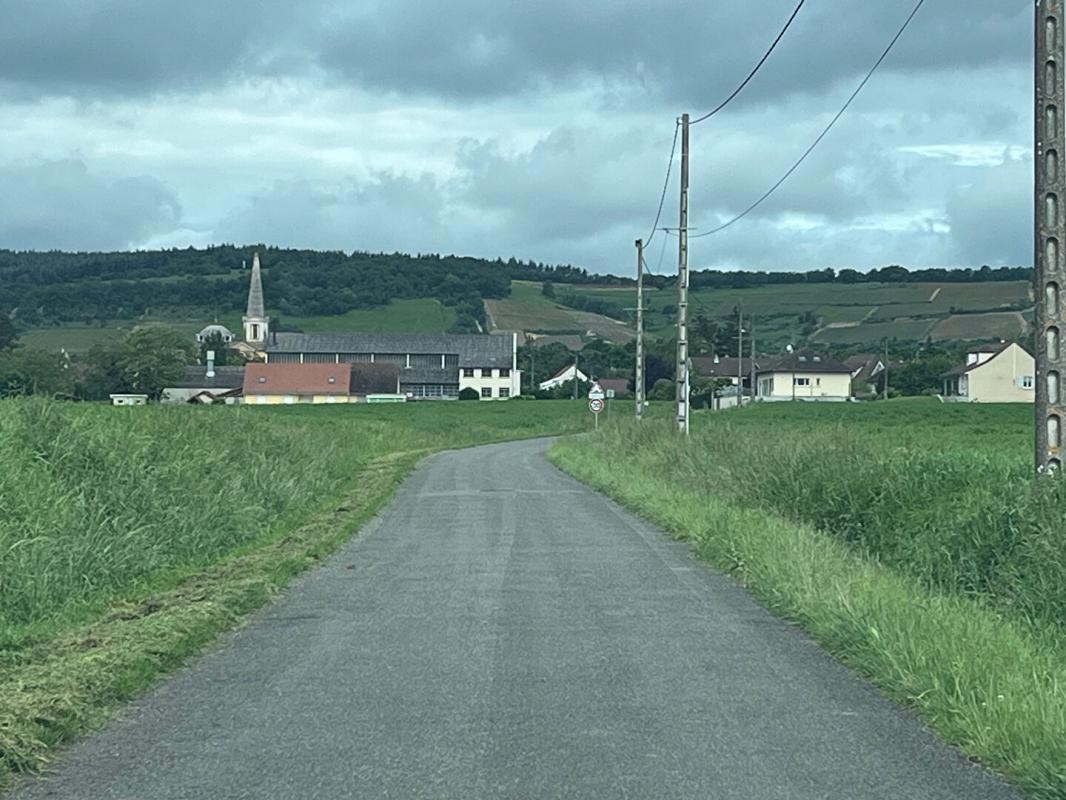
point(758, 66)
point(666, 185)
point(822, 135)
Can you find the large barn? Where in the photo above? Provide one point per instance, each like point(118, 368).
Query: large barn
point(432, 366)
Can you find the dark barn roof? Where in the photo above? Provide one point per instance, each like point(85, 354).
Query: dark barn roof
point(474, 350)
point(430, 375)
point(726, 366)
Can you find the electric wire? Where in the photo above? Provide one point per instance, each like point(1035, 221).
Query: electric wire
point(666, 185)
point(758, 66)
point(822, 135)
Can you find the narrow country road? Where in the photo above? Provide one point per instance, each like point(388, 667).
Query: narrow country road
point(500, 631)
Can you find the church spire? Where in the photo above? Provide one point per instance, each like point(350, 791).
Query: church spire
point(256, 322)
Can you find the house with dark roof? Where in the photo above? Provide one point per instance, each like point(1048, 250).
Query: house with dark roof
point(993, 373)
point(803, 376)
point(725, 367)
point(206, 384)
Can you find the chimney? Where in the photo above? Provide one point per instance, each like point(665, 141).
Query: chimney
point(210, 363)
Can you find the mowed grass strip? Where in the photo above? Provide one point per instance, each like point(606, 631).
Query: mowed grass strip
point(941, 587)
point(129, 537)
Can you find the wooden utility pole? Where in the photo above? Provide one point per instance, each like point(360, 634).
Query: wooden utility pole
point(886, 368)
point(638, 383)
point(683, 393)
point(1049, 275)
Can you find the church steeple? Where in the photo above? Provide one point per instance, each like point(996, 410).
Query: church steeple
point(256, 322)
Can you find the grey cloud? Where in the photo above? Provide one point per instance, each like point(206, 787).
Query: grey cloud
point(687, 52)
point(991, 216)
point(387, 213)
point(60, 204)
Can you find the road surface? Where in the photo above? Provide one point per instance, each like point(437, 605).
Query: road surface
point(500, 631)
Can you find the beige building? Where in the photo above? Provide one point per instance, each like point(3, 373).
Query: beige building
point(803, 376)
point(993, 373)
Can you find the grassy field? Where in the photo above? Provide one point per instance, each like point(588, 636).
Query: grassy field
point(910, 538)
point(527, 309)
point(130, 536)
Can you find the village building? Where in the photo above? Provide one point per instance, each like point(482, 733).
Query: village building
point(993, 373)
point(803, 376)
point(206, 384)
point(225, 334)
point(615, 387)
point(430, 366)
point(121, 399)
point(725, 368)
point(563, 376)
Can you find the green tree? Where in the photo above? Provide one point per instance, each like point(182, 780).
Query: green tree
point(26, 371)
point(662, 390)
point(223, 355)
point(145, 361)
point(547, 289)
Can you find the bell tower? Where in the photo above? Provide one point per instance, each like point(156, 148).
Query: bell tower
point(256, 322)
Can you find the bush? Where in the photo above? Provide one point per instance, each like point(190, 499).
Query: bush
point(469, 394)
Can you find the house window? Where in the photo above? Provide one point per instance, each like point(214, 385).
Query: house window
point(486, 391)
point(505, 392)
point(468, 372)
point(1027, 381)
point(817, 381)
point(262, 379)
point(505, 373)
point(803, 381)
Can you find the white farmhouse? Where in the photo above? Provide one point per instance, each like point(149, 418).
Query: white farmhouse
point(803, 376)
point(993, 373)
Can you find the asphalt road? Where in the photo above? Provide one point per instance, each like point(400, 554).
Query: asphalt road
point(500, 631)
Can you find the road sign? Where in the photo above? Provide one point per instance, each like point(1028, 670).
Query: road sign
point(596, 393)
point(595, 405)
point(610, 394)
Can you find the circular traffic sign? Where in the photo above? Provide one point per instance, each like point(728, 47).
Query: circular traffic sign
point(595, 405)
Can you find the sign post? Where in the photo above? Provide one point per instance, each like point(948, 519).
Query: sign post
point(596, 403)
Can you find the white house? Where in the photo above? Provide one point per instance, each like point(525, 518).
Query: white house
point(565, 375)
point(993, 373)
point(128, 399)
point(803, 376)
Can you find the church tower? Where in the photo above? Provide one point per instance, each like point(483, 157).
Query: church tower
point(256, 322)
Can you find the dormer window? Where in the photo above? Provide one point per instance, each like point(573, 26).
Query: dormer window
point(262, 379)
point(331, 379)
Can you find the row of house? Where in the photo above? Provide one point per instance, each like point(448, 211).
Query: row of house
point(993, 373)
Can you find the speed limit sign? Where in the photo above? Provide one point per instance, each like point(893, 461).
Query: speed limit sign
point(595, 405)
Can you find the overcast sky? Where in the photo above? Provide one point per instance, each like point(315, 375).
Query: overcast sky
point(539, 129)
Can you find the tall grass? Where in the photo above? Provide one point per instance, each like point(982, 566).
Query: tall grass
point(99, 502)
point(942, 494)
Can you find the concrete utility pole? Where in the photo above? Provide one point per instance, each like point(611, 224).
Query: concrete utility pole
point(886, 368)
point(638, 383)
point(575, 375)
point(1048, 274)
point(683, 393)
point(751, 366)
point(740, 357)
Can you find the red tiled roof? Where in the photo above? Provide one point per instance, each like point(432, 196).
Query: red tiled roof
point(334, 379)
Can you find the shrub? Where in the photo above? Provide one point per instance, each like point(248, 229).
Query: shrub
point(469, 394)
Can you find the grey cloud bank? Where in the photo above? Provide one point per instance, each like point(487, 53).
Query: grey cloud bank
point(539, 130)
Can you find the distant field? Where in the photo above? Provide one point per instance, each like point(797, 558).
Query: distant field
point(1006, 325)
point(527, 309)
point(871, 333)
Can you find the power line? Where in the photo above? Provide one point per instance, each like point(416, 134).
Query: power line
point(666, 185)
point(822, 135)
point(758, 66)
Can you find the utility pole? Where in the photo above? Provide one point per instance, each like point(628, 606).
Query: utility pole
point(1048, 274)
point(575, 375)
point(683, 393)
point(532, 377)
point(638, 383)
point(740, 357)
point(751, 366)
point(886, 368)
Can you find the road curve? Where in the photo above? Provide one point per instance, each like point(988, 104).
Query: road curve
point(501, 631)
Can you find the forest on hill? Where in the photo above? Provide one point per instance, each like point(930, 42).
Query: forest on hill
point(42, 289)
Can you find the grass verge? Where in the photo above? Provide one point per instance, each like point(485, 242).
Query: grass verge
point(992, 685)
point(65, 686)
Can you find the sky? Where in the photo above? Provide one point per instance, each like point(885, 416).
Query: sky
point(539, 130)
